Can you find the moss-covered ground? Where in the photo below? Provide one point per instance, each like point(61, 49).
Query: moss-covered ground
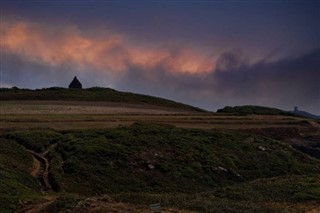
point(199, 170)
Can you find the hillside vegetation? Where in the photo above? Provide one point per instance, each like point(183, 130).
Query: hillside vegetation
point(15, 181)
point(191, 169)
point(95, 94)
point(257, 110)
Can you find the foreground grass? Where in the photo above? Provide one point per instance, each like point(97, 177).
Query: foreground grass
point(141, 164)
point(279, 194)
point(15, 181)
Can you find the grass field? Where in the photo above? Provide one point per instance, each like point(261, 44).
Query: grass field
point(95, 94)
point(82, 107)
point(186, 170)
point(62, 115)
point(194, 170)
point(122, 157)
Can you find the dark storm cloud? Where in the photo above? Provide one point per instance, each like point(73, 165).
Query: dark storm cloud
point(169, 49)
point(284, 83)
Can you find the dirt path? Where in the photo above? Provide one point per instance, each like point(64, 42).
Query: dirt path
point(37, 207)
point(35, 167)
point(40, 168)
point(40, 171)
point(314, 210)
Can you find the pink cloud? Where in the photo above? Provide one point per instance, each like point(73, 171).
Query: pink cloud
point(111, 52)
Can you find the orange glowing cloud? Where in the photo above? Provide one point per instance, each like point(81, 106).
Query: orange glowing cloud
point(110, 52)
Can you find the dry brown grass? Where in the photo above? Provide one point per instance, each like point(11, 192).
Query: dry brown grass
point(80, 107)
point(62, 115)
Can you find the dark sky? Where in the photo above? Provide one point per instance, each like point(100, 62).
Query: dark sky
point(204, 53)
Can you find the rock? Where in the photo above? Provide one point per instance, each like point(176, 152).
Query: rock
point(261, 148)
point(220, 169)
point(237, 174)
point(150, 166)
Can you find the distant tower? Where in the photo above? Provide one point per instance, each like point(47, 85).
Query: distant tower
point(75, 84)
point(296, 109)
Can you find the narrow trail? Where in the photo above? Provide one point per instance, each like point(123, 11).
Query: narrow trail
point(40, 168)
point(36, 167)
point(38, 207)
point(314, 210)
point(40, 171)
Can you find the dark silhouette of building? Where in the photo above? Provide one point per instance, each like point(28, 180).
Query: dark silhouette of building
point(75, 84)
point(296, 109)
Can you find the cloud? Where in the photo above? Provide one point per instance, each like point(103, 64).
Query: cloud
point(287, 82)
point(105, 51)
point(35, 55)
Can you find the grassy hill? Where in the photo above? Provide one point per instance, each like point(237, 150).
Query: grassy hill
point(107, 162)
point(198, 170)
point(257, 110)
point(16, 183)
point(90, 94)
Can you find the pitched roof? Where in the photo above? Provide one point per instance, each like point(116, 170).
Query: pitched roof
point(75, 83)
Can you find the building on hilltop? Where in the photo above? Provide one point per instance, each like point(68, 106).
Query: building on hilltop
point(75, 84)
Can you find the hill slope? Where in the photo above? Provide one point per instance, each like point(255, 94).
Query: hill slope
point(90, 94)
point(197, 170)
point(257, 110)
point(305, 114)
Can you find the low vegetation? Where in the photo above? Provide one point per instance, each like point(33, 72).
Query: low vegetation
point(16, 183)
point(198, 170)
point(37, 141)
point(90, 94)
point(257, 110)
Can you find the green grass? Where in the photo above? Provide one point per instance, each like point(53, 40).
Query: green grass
point(159, 158)
point(206, 171)
point(291, 188)
point(200, 202)
point(91, 94)
point(258, 110)
point(37, 141)
point(245, 197)
point(15, 180)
